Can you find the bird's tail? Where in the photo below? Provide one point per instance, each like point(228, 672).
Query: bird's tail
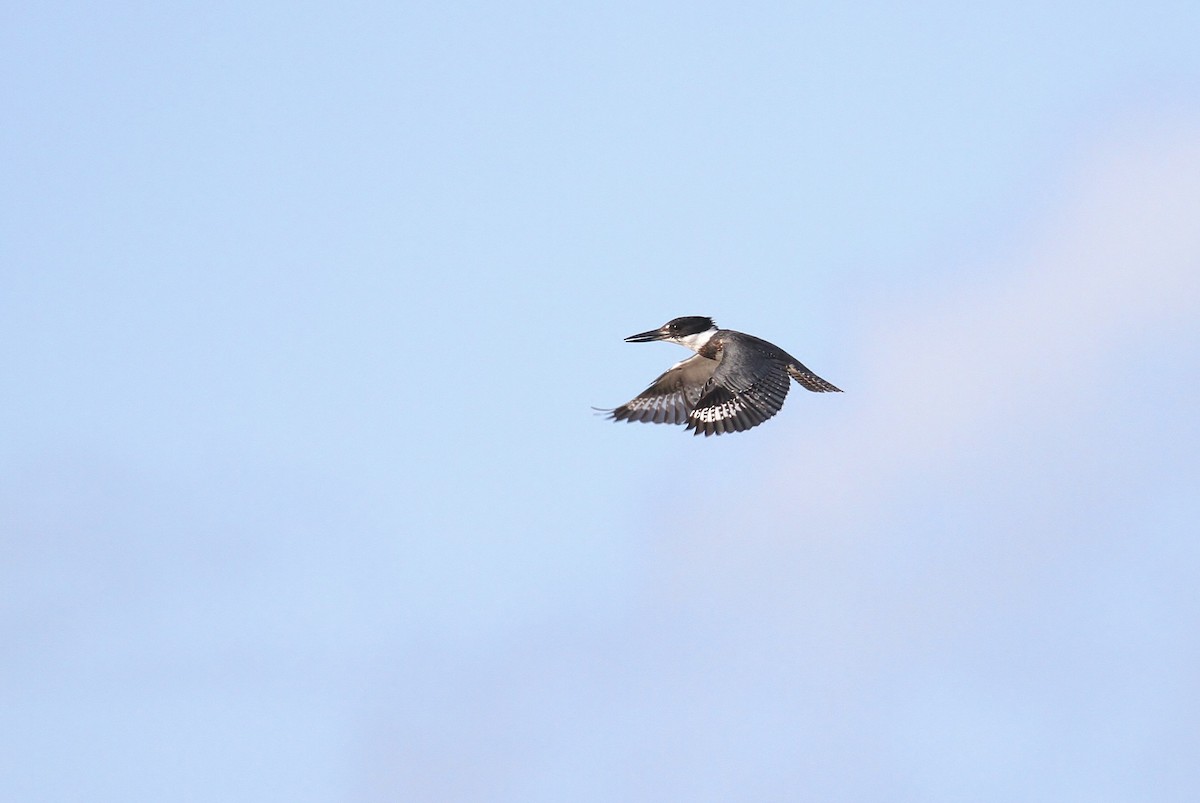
point(809, 380)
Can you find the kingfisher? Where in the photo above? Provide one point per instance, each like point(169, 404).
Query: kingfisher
point(732, 383)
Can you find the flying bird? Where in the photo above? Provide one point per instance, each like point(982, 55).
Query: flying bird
point(732, 383)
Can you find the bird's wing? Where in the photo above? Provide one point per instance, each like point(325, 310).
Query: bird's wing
point(741, 394)
point(671, 397)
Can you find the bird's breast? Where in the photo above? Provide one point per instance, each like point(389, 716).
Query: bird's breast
point(712, 349)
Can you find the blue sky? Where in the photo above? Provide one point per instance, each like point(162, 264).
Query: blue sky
point(303, 312)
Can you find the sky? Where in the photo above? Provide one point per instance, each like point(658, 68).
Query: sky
point(304, 312)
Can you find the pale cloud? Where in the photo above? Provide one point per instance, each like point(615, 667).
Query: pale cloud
point(1021, 339)
point(1122, 257)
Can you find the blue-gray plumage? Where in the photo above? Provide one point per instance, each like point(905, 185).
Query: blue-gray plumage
point(733, 382)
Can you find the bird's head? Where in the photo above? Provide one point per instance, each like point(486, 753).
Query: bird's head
point(692, 331)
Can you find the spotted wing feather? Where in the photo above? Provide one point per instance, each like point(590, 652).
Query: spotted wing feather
point(737, 399)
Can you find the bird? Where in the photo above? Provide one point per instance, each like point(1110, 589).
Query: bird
point(732, 383)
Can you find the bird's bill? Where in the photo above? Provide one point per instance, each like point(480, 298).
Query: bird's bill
point(646, 337)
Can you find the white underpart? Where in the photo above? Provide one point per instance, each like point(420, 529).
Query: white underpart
point(696, 341)
point(684, 361)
